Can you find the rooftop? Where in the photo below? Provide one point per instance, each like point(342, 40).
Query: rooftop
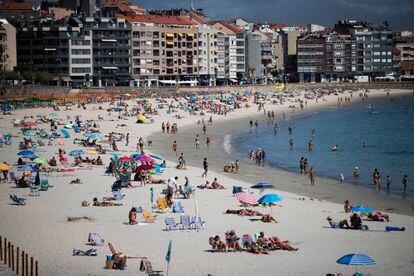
point(158, 19)
point(12, 5)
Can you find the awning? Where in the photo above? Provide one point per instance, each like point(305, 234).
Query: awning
point(50, 49)
point(170, 43)
point(168, 81)
point(190, 34)
point(108, 40)
point(234, 80)
point(170, 35)
point(188, 82)
point(180, 34)
point(110, 68)
point(156, 68)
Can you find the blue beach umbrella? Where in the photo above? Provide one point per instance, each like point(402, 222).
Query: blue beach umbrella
point(362, 209)
point(65, 133)
point(29, 133)
point(27, 169)
point(157, 156)
point(356, 259)
point(270, 198)
point(77, 152)
point(262, 186)
point(25, 153)
point(136, 156)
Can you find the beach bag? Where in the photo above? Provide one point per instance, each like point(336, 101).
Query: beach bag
point(237, 189)
point(119, 261)
point(95, 239)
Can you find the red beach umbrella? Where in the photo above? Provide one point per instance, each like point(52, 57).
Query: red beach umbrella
point(124, 159)
point(246, 198)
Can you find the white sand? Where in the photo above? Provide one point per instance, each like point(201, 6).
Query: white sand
point(41, 228)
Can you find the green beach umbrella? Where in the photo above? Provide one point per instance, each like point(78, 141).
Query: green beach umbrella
point(39, 160)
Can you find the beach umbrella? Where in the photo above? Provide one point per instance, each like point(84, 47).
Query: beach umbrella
point(145, 158)
point(141, 118)
point(144, 167)
point(136, 155)
point(25, 153)
point(362, 209)
point(4, 167)
point(262, 186)
point(77, 152)
point(356, 260)
point(157, 156)
point(124, 159)
point(246, 198)
point(39, 160)
point(65, 133)
point(168, 256)
point(27, 169)
point(94, 136)
point(270, 199)
point(29, 133)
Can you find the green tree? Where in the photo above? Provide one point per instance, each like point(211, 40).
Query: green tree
point(43, 77)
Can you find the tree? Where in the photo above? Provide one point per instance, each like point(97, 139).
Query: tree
point(10, 75)
point(42, 77)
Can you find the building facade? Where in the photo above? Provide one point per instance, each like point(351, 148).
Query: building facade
point(207, 54)
point(311, 59)
point(8, 55)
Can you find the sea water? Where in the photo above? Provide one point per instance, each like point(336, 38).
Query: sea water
point(388, 132)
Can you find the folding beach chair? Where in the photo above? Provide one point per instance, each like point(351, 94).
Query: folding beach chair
point(247, 241)
point(44, 186)
point(177, 207)
point(146, 266)
point(185, 223)
point(17, 200)
point(148, 217)
point(34, 189)
point(13, 177)
point(90, 252)
point(170, 224)
point(197, 223)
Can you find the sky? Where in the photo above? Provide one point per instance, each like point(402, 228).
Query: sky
point(398, 13)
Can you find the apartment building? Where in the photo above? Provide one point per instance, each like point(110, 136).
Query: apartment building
point(236, 51)
point(404, 57)
point(8, 55)
point(338, 57)
point(111, 45)
point(164, 50)
point(20, 13)
point(223, 71)
point(207, 54)
point(259, 57)
point(311, 58)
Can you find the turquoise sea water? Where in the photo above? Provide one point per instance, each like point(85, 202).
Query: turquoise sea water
point(389, 134)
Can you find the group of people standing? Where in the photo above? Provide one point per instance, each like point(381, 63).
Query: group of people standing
point(173, 129)
point(259, 156)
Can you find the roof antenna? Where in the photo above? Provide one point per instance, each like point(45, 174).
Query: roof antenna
point(191, 6)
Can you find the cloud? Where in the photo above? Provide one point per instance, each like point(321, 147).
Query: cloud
point(399, 13)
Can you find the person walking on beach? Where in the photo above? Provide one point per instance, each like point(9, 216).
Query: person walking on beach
point(127, 140)
point(405, 182)
point(163, 127)
point(168, 127)
point(175, 148)
point(389, 181)
point(204, 128)
point(305, 166)
point(251, 123)
point(356, 175)
point(208, 142)
point(376, 177)
point(302, 159)
point(205, 166)
point(312, 176)
point(262, 157)
point(197, 141)
point(256, 123)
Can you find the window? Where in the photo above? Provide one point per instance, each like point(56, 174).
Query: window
point(81, 70)
point(81, 51)
point(81, 60)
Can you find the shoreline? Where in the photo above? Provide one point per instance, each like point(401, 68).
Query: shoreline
point(325, 188)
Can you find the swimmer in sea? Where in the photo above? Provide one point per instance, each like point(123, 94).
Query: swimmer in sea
point(313, 133)
point(334, 148)
point(310, 145)
point(364, 144)
point(291, 143)
point(290, 130)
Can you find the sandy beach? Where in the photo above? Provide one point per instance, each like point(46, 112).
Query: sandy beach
point(42, 229)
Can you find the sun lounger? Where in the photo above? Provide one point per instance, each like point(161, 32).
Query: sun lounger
point(44, 186)
point(161, 204)
point(170, 224)
point(90, 252)
point(185, 223)
point(17, 200)
point(148, 217)
point(34, 189)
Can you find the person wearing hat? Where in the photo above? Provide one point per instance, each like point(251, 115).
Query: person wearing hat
point(347, 206)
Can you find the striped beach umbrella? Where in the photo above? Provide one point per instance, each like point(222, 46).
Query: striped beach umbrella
point(246, 198)
point(356, 259)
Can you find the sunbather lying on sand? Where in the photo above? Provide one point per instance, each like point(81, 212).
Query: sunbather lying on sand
point(343, 224)
point(378, 216)
point(76, 181)
point(152, 180)
point(244, 212)
point(284, 245)
point(105, 203)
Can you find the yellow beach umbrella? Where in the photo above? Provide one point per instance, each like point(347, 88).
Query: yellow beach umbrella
point(4, 167)
point(141, 118)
